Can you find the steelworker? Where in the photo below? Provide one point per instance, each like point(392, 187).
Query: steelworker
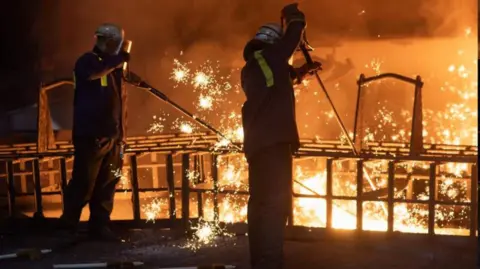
point(99, 119)
point(270, 133)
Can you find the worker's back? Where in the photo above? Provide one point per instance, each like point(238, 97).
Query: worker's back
point(269, 112)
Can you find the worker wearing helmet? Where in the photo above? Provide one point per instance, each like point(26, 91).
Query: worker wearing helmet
point(98, 132)
point(270, 133)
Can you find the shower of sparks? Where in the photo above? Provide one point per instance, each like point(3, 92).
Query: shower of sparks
point(181, 72)
point(205, 234)
point(205, 102)
point(153, 209)
point(456, 124)
point(158, 125)
point(124, 175)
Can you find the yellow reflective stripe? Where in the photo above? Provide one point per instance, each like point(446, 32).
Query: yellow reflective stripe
point(267, 72)
point(103, 81)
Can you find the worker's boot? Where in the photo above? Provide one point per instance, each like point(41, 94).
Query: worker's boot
point(66, 230)
point(103, 234)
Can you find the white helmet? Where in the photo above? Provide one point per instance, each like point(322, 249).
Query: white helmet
point(269, 33)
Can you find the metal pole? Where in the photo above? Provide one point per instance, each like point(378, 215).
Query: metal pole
point(215, 187)
point(63, 180)
point(37, 189)
point(329, 193)
point(171, 188)
point(474, 201)
point(185, 191)
point(135, 188)
point(359, 195)
point(165, 98)
point(309, 60)
point(391, 193)
point(11, 189)
point(432, 186)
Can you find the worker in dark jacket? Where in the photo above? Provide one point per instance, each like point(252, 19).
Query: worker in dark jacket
point(270, 133)
point(98, 132)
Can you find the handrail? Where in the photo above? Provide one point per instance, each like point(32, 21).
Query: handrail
point(45, 136)
point(364, 80)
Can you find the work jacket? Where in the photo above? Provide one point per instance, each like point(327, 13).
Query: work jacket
point(268, 114)
point(99, 106)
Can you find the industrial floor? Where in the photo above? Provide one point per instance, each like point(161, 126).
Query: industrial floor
point(162, 248)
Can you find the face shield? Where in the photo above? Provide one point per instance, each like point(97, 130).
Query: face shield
point(119, 46)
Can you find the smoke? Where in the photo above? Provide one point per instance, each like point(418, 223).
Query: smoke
point(218, 30)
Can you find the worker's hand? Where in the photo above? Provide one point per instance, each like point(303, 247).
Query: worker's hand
point(313, 67)
point(125, 56)
point(133, 78)
point(291, 13)
point(310, 68)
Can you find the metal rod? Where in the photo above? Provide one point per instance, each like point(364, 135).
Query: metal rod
point(391, 197)
point(38, 189)
point(357, 109)
point(200, 204)
point(135, 188)
point(309, 60)
point(329, 193)
point(185, 191)
point(474, 201)
point(359, 195)
point(11, 188)
point(432, 189)
point(63, 179)
point(27, 253)
point(99, 265)
point(165, 98)
point(216, 212)
point(171, 187)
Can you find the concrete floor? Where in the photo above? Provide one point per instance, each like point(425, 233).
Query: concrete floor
point(161, 248)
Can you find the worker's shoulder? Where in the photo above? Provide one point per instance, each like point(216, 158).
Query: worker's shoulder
point(87, 57)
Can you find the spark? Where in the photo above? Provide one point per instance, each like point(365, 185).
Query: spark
point(201, 80)
point(205, 102)
point(455, 124)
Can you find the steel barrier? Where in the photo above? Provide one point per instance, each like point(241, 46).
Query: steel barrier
point(28, 173)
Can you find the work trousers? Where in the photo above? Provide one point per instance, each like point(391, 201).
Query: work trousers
point(270, 186)
point(96, 171)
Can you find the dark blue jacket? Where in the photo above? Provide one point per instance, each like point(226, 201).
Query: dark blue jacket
point(268, 115)
point(99, 99)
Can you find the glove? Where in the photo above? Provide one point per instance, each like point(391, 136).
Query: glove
point(315, 66)
point(291, 13)
point(133, 78)
point(309, 68)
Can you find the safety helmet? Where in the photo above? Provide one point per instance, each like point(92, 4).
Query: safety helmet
point(110, 31)
point(269, 33)
point(113, 32)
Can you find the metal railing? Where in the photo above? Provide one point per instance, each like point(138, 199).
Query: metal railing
point(16, 173)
